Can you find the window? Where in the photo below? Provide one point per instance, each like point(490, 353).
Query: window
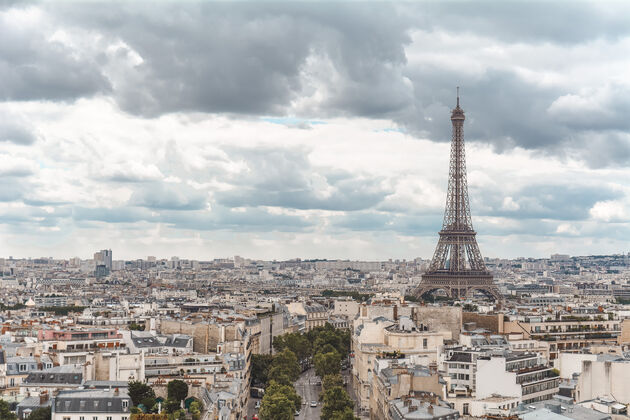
point(424, 343)
point(81, 418)
point(22, 367)
point(95, 418)
point(66, 418)
point(125, 404)
point(109, 417)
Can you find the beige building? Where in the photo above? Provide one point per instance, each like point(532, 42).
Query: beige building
point(394, 379)
point(568, 333)
point(605, 377)
point(381, 337)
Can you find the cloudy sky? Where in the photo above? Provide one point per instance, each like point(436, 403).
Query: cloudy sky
point(281, 130)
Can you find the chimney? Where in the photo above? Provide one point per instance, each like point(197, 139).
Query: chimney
point(43, 397)
point(430, 409)
point(116, 391)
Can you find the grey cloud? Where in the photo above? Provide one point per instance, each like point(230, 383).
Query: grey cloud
point(547, 201)
point(168, 196)
point(112, 215)
point(285, 178)
point(526, 21)
point(33, 67)
point(15, 129)
point(248, 58)
point(219, 218)
point(250, 219)
point(420, 225)
point(256, 58)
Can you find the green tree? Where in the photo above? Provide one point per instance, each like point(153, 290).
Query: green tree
point(327, 348)
point(279, 374)
point(171, 406)
point(328, 336)
point(136, 327)
point(260, 368)
point(346, 414)
point(149, 403)
point(327, 364)
point(276, 407)
point(42, 413)
point(288, 362)
point(5, 412)
point(295, 342)
point(195, 410)
point(177, 390)
point(287, 390)
point(139, 391)
point(336, 399)
point(330, 381)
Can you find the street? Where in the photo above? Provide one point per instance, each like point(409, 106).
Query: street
point(251, 410)
point(306, 387)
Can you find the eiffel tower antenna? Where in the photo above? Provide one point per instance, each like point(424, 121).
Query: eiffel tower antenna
point(457, 266)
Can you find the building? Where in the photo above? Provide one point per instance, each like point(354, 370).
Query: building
point(381, 337)
point(91, 404)
point(606, 376)
point(568, 332)
point(396, 378)
point(422, 409)
point(523, 375)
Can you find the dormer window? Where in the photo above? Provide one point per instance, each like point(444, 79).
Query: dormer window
point(22, 367)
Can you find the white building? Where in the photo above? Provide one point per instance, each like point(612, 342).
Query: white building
point(525, 375)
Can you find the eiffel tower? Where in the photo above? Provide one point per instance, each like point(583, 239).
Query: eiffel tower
point(457, 266)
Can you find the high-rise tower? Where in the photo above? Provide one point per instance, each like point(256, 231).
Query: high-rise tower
point(457, 266)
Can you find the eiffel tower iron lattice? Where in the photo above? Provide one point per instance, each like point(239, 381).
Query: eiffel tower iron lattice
point(457, 266)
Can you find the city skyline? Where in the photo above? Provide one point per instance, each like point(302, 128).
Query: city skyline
point(279, 131)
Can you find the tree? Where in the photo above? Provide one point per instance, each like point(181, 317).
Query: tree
point(286, 390)
point(5, 412)
point(136, 327)
point(336, 399)
point(260, 368)
point(295, 342)
point(195, 410)
point(328, 336)
point(276, 407)
point(177, 390)
point(288, 362)
point(346, 414)
point(42, 413)
point(279, 374)
point(171, 405)
point(330, 381)
point(327, 363)
point(139, 391)
point(149, 403)
point(327, 348)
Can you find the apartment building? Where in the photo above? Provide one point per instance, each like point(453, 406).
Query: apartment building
point(523, 375)
point(568, 332)
point(381, 337)
point(91, 404)
point(396, 378)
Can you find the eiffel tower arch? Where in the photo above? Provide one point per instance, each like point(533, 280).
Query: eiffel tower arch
point(457, 266)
